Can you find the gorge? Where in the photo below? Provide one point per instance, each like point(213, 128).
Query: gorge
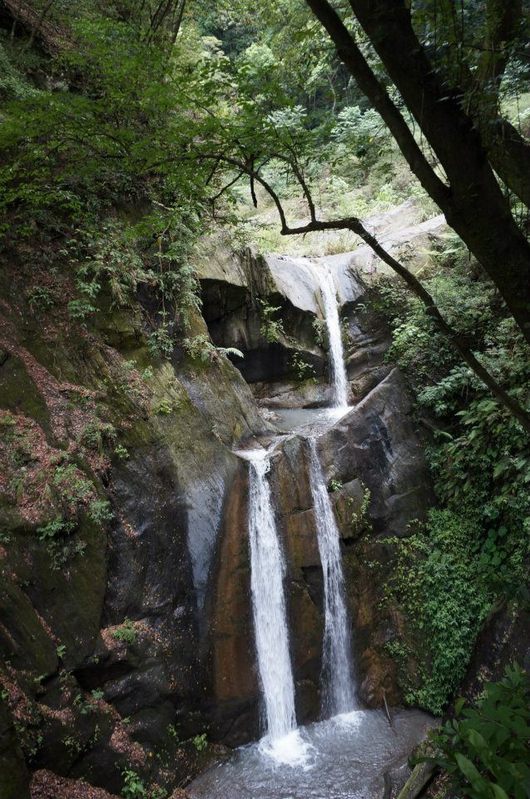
point(264, 400)
point(291, 760)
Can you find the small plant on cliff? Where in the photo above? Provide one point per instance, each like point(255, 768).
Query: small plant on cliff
point(200, 348)
point(133, 786)
point(97, 434)
point(200, 742)
point(165, 407)
point(41, 299)
point(55, 528)
point(320, 331)
point(73, 486)
point(126, 632)
point(60, 544)
point(360, 520)
point(121, 452)
point(100, 511)
point(485, 748)
point(304, 371)
point(80, 309)
point(160, 341)
point(271, 328)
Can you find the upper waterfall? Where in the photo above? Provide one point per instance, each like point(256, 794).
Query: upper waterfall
point(339, 377)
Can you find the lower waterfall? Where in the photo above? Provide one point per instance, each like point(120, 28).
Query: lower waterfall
point(270, 619)
point(338, 688)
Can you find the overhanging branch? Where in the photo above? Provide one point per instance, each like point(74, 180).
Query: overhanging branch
point(356, 226)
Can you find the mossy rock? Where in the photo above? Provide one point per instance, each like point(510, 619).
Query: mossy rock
point(71, 597)
point(19, 394)
point(14, 776)
point(23, 640)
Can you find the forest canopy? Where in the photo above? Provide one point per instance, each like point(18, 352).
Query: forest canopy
point(136, 135)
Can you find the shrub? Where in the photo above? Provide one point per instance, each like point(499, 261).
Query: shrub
point(271, 327)
point(133, 786)
point(126, 632)
point(100, 512)
point(200, 742)
point(445, 596)
point(485, 749)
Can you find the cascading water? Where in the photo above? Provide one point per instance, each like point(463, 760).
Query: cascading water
point(336, 350)
point(338, 687)
point(270, 618)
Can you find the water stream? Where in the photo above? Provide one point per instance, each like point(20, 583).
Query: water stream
point(271, 632)
point(350, 757)
point(339, 377)
point(337, 683)
point(354, 754)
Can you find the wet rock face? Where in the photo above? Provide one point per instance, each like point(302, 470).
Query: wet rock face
point(143, 637)
point(103, 624)
point(14, 776)
point(236, 304)
point(504, 640)
point(378, 477)
point(236, 318)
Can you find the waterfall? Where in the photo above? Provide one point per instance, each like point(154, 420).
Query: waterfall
point(268, 603)
point(339, 692)
point(336, 350)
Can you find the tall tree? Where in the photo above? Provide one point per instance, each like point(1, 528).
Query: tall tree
point(469, 195)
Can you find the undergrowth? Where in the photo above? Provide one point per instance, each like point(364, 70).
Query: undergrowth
point(472, 552)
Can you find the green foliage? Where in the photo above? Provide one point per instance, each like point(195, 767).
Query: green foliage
point(164, 407)
point(359, 139)
point(271, 327)
point(200, 348)
point(121, 452)
point(96, 168)
point(133, 786)
point(73, 487)
point(475, 548)
point(200, 742)
point(486, 748)
point(55, 528)
point(100, 512)
point(97, 435)
point(304, 371)
point(126, 632)
point(320, 331)
point(80, 309)
point(61, 545)
point(438, 581)
point(360, 519)
point(41, 299)
point(160, 341)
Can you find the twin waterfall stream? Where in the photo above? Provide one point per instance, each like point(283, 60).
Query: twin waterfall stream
point(352, 753)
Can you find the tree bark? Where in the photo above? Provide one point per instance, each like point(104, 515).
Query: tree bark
point(473, 203)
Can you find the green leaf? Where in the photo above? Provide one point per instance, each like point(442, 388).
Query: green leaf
point(469, 771)
point(498, 792)
point(459, 704)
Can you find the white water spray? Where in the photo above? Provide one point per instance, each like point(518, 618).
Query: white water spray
point(336, 350)
point(338, 687)
point(282, 740)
